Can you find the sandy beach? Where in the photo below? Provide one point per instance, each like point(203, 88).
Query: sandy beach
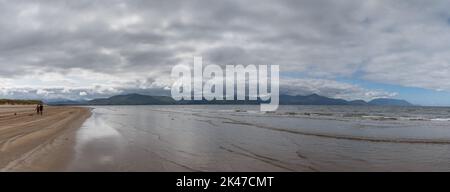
point(222, 138)
point(31, 142)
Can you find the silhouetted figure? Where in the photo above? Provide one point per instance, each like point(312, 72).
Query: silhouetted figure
point(38, 109)
point(41, 108)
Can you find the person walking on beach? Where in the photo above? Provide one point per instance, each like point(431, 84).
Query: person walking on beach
point(41, 108)
point(38, 109)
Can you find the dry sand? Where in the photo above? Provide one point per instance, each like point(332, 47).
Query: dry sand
point(31, 142)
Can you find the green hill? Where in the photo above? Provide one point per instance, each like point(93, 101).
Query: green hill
point(19, 102)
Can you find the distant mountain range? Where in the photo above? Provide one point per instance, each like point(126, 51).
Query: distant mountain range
point(133, 99)
point(314, 99)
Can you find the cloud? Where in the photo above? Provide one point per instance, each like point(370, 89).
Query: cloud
point(121, 45)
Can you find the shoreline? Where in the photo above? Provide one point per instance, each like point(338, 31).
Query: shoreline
point(30, 142)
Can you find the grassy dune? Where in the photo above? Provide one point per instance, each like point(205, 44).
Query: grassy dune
point(19, 102)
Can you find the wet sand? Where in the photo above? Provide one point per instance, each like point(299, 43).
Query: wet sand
point(215, 138)
point(218, 138)
point(31, 142)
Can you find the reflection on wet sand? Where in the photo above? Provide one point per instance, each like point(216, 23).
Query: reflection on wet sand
point(200, 138)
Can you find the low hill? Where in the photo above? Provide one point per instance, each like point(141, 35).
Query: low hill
point(358, 102)
point(133, 99)
point(313, 99)
point(390, 102)
point(19, 102)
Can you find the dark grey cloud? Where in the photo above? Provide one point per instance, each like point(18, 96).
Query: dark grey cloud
point(118, 44)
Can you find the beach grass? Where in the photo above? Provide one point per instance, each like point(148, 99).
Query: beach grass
point(19, 102)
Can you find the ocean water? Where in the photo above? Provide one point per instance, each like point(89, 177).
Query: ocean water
point(241, 138)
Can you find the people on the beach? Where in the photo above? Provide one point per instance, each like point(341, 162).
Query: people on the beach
point(38, 109)
point(41, 108)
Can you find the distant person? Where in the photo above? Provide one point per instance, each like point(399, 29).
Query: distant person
point(41, 108)
point(38, 109)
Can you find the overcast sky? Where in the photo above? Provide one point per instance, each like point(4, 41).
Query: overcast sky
point(343, 49)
